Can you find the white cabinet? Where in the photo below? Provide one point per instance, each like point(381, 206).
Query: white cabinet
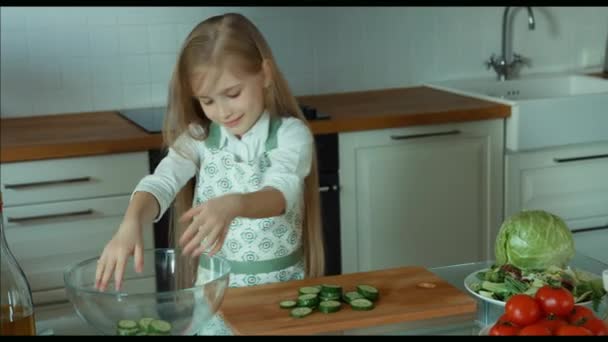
point(421, 195)
point(571, 182)
point(62, 211)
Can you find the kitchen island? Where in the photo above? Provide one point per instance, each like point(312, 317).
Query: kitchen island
point(49, 322)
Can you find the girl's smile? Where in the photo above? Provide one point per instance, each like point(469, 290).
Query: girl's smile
point(233, 123)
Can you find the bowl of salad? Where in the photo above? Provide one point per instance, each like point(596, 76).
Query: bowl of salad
point(533, 248)
point(173, 295)
point(498, 283)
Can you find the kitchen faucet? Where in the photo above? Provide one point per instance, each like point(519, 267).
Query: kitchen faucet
point(506, 65)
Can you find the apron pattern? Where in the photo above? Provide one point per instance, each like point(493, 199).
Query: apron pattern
point(248, 240)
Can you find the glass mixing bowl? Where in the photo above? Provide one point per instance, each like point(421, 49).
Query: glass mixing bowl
point(171, 289)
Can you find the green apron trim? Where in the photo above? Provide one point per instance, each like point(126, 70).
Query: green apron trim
point(271, 141)
point(215, 134)
point(213, 139)
point(265, 266)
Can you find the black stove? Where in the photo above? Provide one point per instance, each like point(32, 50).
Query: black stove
point(150, 119)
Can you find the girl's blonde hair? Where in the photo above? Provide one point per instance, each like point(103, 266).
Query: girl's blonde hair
point(209, 44)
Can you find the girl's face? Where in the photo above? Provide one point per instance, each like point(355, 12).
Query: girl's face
point(234, 101)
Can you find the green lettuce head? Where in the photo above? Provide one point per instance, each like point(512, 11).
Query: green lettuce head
point(534, 239)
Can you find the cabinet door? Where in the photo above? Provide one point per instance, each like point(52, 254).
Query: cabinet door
point(427, 196)
point(46, 238)
point(570, 182)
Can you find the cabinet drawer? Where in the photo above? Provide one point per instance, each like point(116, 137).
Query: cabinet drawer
point(570, 183)
point(72, 178)
point(45, 240)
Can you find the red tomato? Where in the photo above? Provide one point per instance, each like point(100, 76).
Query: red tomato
point(536, 329)
point(579, 312)
point(503, 329)
point(552, 322)
point(572, 330)
point(555, 300)
point(504, 319)
point(522, 310)
point(596, 326)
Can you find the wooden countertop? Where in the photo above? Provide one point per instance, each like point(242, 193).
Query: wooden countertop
point(94, 133)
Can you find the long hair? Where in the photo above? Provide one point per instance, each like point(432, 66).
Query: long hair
point(210, 43)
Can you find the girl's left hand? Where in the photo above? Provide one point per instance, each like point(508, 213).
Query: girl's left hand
point(210, 221)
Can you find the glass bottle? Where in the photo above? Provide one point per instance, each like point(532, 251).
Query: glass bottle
point(16, 305)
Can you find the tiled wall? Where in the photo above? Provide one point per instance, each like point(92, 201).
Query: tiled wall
point(60, 60)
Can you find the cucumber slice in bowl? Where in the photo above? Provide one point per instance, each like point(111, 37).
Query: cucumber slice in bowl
point(126, 327)
point(144, 323)
point(158, 326)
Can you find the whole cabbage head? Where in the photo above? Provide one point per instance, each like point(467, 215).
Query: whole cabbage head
point(534, 239)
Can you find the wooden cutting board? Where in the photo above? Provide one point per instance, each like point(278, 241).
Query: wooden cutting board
point(255, 310)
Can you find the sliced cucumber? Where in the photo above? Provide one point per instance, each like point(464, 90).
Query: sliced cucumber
point(349, 296)
point(368, 291)
point(126, 324)
point(329, 296)
point(288, 304)
point(159, 326)
point(127, 332)
point(141, 333)
point(331, 288)
point(329, 306)
point(362, 304)
point(309, 290)
point(144, 323)
point(308, 300)
point(301, 312)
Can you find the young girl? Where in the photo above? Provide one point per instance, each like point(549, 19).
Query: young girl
point(241, 165)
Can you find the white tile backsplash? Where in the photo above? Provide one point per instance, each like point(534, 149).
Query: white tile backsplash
point(162, 38)
point(65, 59)
point(75, 73)
point(45, 73)
point(135, 69)
point(14, 48)
point(104, 40)
point(12, 18)
point(161, 67)
point(106, 71)
point(133, 40)
point(109, 97)
point(136, 95)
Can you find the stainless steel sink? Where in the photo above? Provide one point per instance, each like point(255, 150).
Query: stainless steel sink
point(546, 109)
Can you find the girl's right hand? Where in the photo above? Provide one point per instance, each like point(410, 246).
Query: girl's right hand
point(126, 242)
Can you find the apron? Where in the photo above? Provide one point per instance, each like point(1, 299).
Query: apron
point(260, 251)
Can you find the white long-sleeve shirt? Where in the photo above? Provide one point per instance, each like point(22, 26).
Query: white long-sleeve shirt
point(290, 161)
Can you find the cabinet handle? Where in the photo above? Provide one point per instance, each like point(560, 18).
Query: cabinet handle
point(50, 216)
point(328, 188)
point(424, 135)
point(46, 183)
point(568, 160)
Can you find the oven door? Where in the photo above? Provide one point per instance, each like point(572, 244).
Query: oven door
point(329, 191)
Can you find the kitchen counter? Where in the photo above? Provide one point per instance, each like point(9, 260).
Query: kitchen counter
point(65, 322)
point(94, 133)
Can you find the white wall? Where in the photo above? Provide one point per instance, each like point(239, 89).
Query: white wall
point(60, 60)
